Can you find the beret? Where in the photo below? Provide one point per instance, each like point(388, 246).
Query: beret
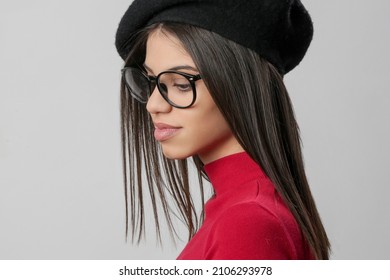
point(278, 30)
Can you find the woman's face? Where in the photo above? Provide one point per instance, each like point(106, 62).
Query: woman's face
point(198, 130)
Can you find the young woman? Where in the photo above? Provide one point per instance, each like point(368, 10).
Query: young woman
point(204, 80)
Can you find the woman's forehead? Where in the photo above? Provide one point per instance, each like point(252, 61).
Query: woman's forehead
point(164, 50)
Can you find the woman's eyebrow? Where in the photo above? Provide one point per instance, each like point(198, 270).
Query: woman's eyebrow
point(184, 67)
point(180, 67)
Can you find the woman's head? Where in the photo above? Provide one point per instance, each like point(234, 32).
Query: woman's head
point(232, 79)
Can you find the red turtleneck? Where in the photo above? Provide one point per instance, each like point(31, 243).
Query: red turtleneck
point(246, 219)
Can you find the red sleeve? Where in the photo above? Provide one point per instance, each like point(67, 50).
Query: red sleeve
point(249, 231)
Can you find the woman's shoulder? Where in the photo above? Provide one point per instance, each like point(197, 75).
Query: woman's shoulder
point(249, 231)
point(261, 227)
point(253, 214)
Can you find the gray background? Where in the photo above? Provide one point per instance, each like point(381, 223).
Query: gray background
point(61, 194)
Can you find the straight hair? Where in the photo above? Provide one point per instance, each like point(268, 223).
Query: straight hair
point(251, 96)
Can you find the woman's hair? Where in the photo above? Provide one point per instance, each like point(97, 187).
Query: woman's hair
point(251, 96)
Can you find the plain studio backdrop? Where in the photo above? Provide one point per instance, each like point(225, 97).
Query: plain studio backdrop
point(61, 191)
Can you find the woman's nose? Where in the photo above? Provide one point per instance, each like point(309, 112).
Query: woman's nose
point(157, 104)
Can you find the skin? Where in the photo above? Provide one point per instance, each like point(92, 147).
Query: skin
point(202, 129)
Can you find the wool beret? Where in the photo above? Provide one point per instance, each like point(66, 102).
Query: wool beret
point(278, 30)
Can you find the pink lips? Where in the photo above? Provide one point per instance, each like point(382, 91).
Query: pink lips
point(164, 131)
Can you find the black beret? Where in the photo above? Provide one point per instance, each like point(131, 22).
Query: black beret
point(278, 30)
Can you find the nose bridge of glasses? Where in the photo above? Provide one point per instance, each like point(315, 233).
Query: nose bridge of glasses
point(156, 87)
point(156, 101)
point(152, 83)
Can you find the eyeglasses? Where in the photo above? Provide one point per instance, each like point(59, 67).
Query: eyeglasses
point(177, 88)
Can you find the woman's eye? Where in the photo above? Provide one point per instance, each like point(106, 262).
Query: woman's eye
point(183, 86)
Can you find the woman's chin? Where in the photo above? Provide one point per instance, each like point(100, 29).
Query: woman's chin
point(175, 153)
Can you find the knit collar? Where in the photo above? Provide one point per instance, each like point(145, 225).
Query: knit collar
point(233, 171)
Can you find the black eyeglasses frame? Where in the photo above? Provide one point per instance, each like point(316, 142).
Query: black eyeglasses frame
point(155, 81)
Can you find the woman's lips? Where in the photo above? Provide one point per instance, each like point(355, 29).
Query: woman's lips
point(164, 131)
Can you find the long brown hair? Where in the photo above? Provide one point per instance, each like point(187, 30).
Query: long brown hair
point(251, 95)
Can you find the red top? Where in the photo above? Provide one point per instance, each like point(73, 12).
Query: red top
point(246, 219)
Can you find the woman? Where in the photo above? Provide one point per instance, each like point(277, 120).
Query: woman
point(204, 79)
